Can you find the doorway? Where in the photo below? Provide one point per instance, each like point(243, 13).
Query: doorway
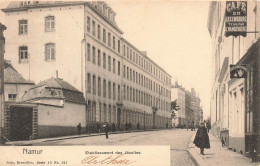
point(20, 123)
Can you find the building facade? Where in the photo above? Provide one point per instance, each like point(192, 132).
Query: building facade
point(190, 112)
point(235, 102)
point(178, 93)
point(120, 83)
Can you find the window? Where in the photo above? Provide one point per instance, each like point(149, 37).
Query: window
point(124, 50)
point(93, 55)
point(114, 42)
point(118, 46)
point(99, 86)
point(89, 83)
point(109, 63)
point(127, 72)
point(124, 71)
point(109, 89)
point(23, 25)
point(94, 85)
point(118, 92)
point(23, 54)
point(88, 24)
point(130, 54)
point(114, 65)
point(109, 39)
point(104, 89)
point(12, 97)
point(93, 28)
point(118, 68)
point(98, 28)
point(49, 23)
point(50, 52)
point(127, 53)
point(114, 91)
point(127, 93)
point(104, 35)
point(133, 56)
point(99, 58)
point(104, 60)
point(88, 52)
point(130, 74)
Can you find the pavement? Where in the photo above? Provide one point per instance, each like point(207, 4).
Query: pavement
point(43, 140)
point(217, 155)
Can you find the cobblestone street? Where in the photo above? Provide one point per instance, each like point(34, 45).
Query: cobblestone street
point(177, 139)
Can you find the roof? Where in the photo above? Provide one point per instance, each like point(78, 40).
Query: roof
point(145, 56)
point(11, 76)
point(54, 88)
point(14, 6)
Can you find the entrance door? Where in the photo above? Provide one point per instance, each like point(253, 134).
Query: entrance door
point(20, 123)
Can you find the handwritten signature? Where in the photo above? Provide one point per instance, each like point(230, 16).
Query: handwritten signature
point(108, 160)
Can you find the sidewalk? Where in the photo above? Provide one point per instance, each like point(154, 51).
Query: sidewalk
point(217, 155)
point(31, 142)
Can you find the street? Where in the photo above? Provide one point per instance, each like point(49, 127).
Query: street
point(178, 140)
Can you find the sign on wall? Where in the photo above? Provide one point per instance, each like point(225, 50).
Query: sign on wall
point(236, 18)
point(238, 71)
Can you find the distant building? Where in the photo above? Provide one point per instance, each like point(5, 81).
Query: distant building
point(189, 103)
point(178, 93)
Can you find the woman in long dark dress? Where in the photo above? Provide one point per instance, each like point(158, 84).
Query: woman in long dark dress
point(202, 139)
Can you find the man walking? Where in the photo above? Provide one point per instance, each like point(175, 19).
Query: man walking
point(202, 139)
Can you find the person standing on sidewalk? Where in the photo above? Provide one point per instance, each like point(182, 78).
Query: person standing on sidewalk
point(202, 139)
point(79, 128)
point(106, 129)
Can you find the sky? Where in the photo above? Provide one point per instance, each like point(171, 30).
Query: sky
point(175, 36)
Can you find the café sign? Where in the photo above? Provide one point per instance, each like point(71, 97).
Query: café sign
point(236, 18)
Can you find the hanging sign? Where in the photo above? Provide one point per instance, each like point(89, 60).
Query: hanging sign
point(236, 18)
point(238, 71)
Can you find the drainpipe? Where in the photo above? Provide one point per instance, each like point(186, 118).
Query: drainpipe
point(2, 95)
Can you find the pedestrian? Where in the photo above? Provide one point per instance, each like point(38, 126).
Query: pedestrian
point(126, 126)
point(166, 125)
point(130, 126)
point(208, 126)
point(202, 139)
point(79, 128)
point(106, 129)
point(138, 126)
point(113, 127)
point(98, 127)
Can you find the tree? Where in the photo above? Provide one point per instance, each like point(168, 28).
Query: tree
point(174, 105)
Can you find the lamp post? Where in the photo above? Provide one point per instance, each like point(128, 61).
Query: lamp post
point(2, 99)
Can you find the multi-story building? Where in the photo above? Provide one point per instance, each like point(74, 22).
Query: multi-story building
point(235, 102)
point(81, 43)
point(178, 93)
point(189, 104)
point(196, 107)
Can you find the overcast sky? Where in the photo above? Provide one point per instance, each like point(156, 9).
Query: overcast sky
point(175, 36)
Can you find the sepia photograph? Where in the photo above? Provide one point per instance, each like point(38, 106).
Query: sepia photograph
point(130, 82)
